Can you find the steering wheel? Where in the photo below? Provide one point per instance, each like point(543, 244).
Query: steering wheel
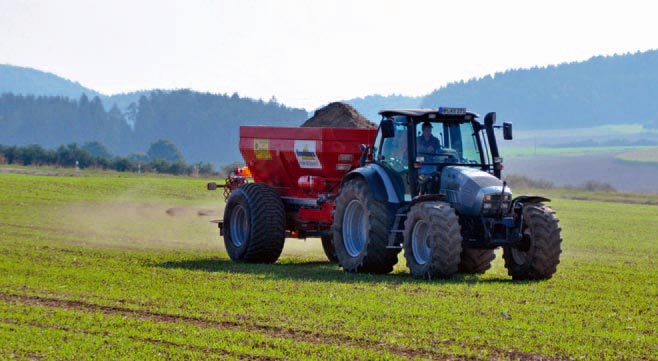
point(450, 155)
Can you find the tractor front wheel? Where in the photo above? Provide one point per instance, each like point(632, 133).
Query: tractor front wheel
point(254, 224)
point(538, 254)
point(432, 240)
point(361, 232)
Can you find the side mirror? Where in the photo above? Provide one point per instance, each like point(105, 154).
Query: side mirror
point(507, 130)
point(490, 119)
point(387, 129)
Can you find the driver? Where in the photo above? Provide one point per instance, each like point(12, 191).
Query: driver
point(427, 143)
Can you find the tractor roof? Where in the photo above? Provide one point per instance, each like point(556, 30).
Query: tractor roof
point(420, 112)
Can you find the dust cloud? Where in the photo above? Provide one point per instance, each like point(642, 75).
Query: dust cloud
point(132, 220)
point(129, 221)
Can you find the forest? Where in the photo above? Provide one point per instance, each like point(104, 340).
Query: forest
point(204, 126)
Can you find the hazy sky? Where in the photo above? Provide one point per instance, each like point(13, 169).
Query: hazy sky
point(306, 52)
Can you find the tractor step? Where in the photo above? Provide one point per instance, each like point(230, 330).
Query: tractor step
point(397, 229)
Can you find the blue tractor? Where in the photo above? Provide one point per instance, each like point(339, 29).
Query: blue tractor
point(431, 184)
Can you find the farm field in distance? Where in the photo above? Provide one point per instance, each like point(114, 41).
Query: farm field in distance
point(112, 265)
point(623, 156)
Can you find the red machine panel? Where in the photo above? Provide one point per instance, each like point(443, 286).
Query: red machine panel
point(302, 162)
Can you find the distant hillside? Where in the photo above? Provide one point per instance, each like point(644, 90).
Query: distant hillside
point(204, 126)
point(124, 100)
point(371, 105)
point(620, 89)
point(28, 81)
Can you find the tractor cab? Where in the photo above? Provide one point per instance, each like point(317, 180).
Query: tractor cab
point(415, 145)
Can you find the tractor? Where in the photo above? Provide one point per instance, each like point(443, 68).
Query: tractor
point(427, 182)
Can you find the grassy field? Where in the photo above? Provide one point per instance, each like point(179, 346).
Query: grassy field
point(115, 266)
point(615, 130)
point(571, 151)
point(644, 156)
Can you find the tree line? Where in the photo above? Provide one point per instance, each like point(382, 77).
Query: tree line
point(204, 126)
point(94, 155)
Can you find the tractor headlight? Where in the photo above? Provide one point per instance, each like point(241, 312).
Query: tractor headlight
point(493, 203)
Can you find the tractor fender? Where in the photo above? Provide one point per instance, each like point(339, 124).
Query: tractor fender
point(379, 182)
point(528, 200)
point(531, 199)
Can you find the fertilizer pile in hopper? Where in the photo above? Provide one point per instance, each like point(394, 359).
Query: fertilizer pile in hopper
point(338, 115)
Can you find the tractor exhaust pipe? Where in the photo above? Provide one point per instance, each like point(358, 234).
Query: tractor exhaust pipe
point(489, 121)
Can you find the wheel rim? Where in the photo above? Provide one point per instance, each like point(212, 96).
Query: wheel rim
point(239, 226)
point(420, 242)
point(355, 224)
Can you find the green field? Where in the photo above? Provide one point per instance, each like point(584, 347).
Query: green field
point(115, 266)
point(643, 156)
point(598, 131)
point(571, 151)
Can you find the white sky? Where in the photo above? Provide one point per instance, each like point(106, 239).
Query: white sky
point(310, 52)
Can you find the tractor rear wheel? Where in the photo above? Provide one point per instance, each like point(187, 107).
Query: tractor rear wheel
point(361, 232)
point(328, 247)
point(538, 254)
point(432, 240)
point(254, 224)
point(475, 260)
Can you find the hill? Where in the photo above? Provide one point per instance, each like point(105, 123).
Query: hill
point(619, 89)
point(371, 105)
point(27, 81)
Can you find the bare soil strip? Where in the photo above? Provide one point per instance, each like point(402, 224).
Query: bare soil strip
point(315, 337)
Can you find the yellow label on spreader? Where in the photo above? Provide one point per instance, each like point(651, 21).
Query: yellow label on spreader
point(262, 148)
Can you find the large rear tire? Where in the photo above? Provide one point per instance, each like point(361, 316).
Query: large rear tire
point(254, 224)
point(475, 260)
point(328, 247)
point(432, 240)
point(361, 232)
point(538, 255)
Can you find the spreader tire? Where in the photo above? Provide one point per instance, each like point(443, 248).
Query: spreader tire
point(432, 240)
point(254, 224)
point(328, 247)
point(361, 232)
point(475, 260)
point(538, 255)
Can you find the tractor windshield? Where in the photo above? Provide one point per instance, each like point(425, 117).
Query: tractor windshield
point(447, 143)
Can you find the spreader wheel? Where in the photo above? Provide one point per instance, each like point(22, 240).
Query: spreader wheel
point(328, 247)
point(254, 224)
